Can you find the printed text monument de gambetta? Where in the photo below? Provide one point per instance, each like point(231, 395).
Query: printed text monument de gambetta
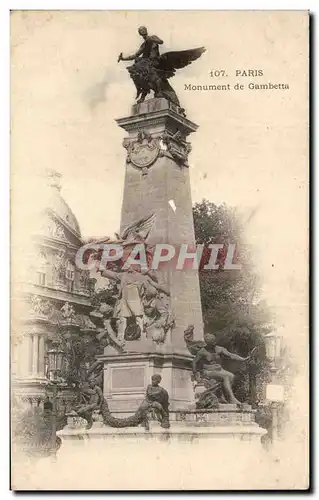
point(248, 79)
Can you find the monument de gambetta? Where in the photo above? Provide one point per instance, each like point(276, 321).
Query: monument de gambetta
point(158, 330)
point(156, 372)
point(158, 321)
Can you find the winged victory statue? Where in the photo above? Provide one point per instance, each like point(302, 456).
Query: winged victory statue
point(142, 307)
point(151, 70)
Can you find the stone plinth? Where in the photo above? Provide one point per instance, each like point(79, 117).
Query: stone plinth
point(190, 455)
point(126, 377)
point(180, 431)
point(225, 414)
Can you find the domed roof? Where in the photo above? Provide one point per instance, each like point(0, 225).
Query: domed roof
point(59, 206)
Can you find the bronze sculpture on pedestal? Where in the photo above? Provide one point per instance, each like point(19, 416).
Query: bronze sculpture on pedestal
point(208, 370)
point(157, 399)
point(92, 400)
point(151, 70)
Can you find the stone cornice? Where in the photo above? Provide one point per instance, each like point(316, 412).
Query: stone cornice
point(157, 112)
point(161, 356)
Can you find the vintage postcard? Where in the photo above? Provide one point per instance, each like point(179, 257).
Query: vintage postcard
point(159, 250)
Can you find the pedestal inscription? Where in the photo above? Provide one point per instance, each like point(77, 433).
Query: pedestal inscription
point(127, 378)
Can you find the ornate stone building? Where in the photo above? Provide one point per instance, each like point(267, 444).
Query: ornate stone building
point(55, 296)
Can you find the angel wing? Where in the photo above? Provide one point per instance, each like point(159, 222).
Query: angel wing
point(140, 229)
point(170, 61)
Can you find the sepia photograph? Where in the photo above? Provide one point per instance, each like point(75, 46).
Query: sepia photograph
point(159, 250)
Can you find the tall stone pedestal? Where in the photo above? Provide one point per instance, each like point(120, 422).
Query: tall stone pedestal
point(157, 182)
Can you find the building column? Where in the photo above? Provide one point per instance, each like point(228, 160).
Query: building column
point(41, 355)
point(23, 356)
point(35, 354)
point(30, 382)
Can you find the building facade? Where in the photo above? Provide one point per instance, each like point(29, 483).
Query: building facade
point(54, 298)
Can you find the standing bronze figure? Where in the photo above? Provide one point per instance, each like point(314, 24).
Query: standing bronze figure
point(151, 70)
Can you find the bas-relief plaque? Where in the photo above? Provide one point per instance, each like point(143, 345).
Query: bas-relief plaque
point(128, 378)
point(144, 155)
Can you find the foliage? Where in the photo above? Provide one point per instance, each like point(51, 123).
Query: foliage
point(264, 417)
point(231, 298)
point(31, 430)
point(81, 348)
point(107, 294)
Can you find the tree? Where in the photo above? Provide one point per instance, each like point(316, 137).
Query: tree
point(230, 299)
point(80, 347)
point(31, 429)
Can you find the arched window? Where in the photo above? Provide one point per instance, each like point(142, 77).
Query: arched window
point(70, 273)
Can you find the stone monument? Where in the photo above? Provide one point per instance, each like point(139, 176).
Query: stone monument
point(157, 185)
point(159, 333)
point(157, 182)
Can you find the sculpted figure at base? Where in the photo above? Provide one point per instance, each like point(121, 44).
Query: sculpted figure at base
point(208, 370)
point(156, 401)
point(91, 400)
point(151, 70)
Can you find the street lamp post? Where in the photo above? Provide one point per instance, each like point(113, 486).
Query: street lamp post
point(273, 348)
point(55, 358)
point(274, 390)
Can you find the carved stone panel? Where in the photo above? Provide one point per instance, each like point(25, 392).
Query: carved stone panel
point(177, 147)
point(143, 151)
point(128, 377)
